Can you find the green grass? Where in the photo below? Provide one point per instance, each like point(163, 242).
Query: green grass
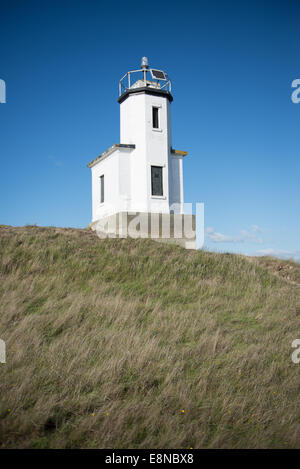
point(109, 340)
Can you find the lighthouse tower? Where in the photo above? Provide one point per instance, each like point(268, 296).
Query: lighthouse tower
point(142, 175)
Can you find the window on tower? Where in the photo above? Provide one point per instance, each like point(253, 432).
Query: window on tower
point(156, 180)
point(102, 189)
point(155, 120)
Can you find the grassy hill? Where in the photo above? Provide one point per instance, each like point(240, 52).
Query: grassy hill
point(136, 344)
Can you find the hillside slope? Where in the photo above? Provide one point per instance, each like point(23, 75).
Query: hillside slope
point(136, 344)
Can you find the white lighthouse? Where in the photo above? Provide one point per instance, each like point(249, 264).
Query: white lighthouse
point(142, 175)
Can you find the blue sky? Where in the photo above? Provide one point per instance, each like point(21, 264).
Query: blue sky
point(231, 64)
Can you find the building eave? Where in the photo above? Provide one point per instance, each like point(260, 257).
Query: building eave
point(145, 90)
point(179, 152)
point(109, 151)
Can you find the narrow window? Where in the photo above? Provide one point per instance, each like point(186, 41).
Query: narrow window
point(155, 122)
point(102, 189)
point(156, 180)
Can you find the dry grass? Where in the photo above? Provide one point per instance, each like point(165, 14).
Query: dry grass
point(108, 341)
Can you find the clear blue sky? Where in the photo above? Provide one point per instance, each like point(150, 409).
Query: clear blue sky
point(231, 64)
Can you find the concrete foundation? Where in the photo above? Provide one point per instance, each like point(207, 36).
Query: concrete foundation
point(162, 227)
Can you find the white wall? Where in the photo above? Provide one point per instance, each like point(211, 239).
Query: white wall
point(157, 150)
point(152, 148)
point(176, 182)
point(127, 172)
point(116, 171)
point(133, 130)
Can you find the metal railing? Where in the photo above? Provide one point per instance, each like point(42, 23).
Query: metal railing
point(160, 84)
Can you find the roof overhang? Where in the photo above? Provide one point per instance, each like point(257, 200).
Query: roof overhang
point(178, 152)
point(109, 151)
point(146, 90)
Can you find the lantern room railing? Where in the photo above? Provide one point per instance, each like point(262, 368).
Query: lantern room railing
point(141, 79)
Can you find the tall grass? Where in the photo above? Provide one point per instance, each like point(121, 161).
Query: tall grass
point(137, 344)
